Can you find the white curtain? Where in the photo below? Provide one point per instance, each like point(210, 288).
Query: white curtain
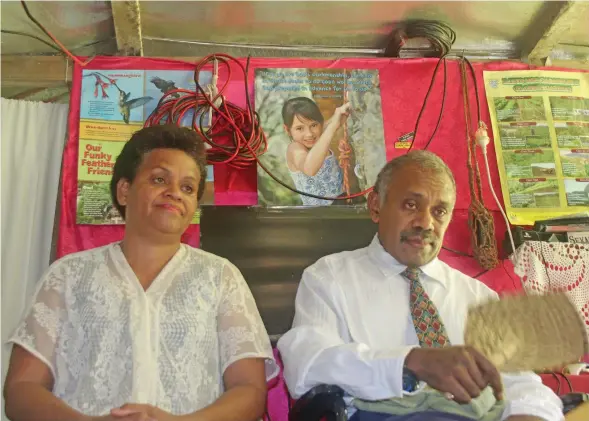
point(33, 137)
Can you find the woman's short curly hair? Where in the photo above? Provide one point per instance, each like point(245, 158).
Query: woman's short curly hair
point(143, 141)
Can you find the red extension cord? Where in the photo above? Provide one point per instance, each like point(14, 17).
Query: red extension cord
point(235, 136)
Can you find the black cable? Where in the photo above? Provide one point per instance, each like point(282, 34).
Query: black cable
point(441, 108)
point(460, 253)
point(480, 274)
point(252, 112)
point(54, 46)
point(24, 34)
point(227, 108)
point(425, 100)
point(556, 375)
point(557, 381)
point(515, 285)
point(32, 19)
point(571, 390)
point(440, 35)
point(444, 88)
point(58, 44)
point(478, 110)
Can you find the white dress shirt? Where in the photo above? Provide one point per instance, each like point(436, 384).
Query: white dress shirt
point(353, 328)
point(108, 342)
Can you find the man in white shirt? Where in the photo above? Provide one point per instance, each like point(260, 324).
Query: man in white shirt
point(384, 320)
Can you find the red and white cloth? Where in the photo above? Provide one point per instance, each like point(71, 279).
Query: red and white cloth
point(556, 267)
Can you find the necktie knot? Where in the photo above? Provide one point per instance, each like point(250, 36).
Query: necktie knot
point(412, 274)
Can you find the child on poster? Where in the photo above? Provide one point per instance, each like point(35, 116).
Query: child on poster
point(311, 162)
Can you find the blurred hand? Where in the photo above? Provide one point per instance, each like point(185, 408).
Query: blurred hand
point(460, 371)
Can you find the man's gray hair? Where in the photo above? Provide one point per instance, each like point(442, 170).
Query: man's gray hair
point(424, 159)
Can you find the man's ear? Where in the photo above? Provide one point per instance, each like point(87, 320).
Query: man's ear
point(286, 129)
point(123, 191)
point(374, 206)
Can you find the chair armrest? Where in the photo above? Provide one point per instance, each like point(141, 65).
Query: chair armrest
point(323, 402)
point(571, 400)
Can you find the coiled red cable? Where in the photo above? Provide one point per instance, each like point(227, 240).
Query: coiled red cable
point(234, 135)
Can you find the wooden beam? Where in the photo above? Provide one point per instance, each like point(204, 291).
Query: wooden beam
point(58, 94)
point(570, 64)
point(126, 16)
point(572, 14)
point(44, 71)
point(28, 93)
point(30, 72)
point(35, 71)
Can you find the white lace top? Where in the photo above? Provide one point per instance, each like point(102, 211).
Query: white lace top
point(109, 342)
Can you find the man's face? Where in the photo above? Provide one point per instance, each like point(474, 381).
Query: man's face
point(415, 214)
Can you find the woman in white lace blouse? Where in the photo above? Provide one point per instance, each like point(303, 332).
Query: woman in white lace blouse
point(146, 328)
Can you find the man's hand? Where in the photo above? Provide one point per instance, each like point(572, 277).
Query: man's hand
point(140, 412)
point(460, 371)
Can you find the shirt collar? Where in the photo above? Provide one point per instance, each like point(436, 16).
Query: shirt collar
point(391, 267)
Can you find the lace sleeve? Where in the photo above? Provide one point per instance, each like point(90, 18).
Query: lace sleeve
point(39, 330)
point(240, 328)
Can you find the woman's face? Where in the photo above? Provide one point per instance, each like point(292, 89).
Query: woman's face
point(305, 131)
point(163, 196)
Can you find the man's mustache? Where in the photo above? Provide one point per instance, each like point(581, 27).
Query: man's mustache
point(428, 236)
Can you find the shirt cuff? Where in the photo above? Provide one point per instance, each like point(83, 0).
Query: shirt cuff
point(398, 379)
point(547, 410)
point(389, 371)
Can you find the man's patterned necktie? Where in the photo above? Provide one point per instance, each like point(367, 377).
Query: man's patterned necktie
point(426, 319)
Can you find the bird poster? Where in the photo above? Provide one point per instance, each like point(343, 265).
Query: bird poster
point(114, 104)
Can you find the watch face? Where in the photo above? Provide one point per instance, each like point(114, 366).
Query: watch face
point(409, 381)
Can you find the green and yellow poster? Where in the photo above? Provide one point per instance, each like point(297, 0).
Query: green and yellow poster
point(541, 128)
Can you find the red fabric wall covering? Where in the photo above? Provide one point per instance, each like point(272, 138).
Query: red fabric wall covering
point(403, 87)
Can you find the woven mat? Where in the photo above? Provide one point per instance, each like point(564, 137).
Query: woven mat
point(528, 332)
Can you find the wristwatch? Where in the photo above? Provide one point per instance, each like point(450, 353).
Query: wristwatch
point(410, 381)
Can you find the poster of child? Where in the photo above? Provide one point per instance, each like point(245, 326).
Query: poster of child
point(325, 135)
point(309, 158)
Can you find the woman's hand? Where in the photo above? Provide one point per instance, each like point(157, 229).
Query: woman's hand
point(136, 416)
point(139, 412)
